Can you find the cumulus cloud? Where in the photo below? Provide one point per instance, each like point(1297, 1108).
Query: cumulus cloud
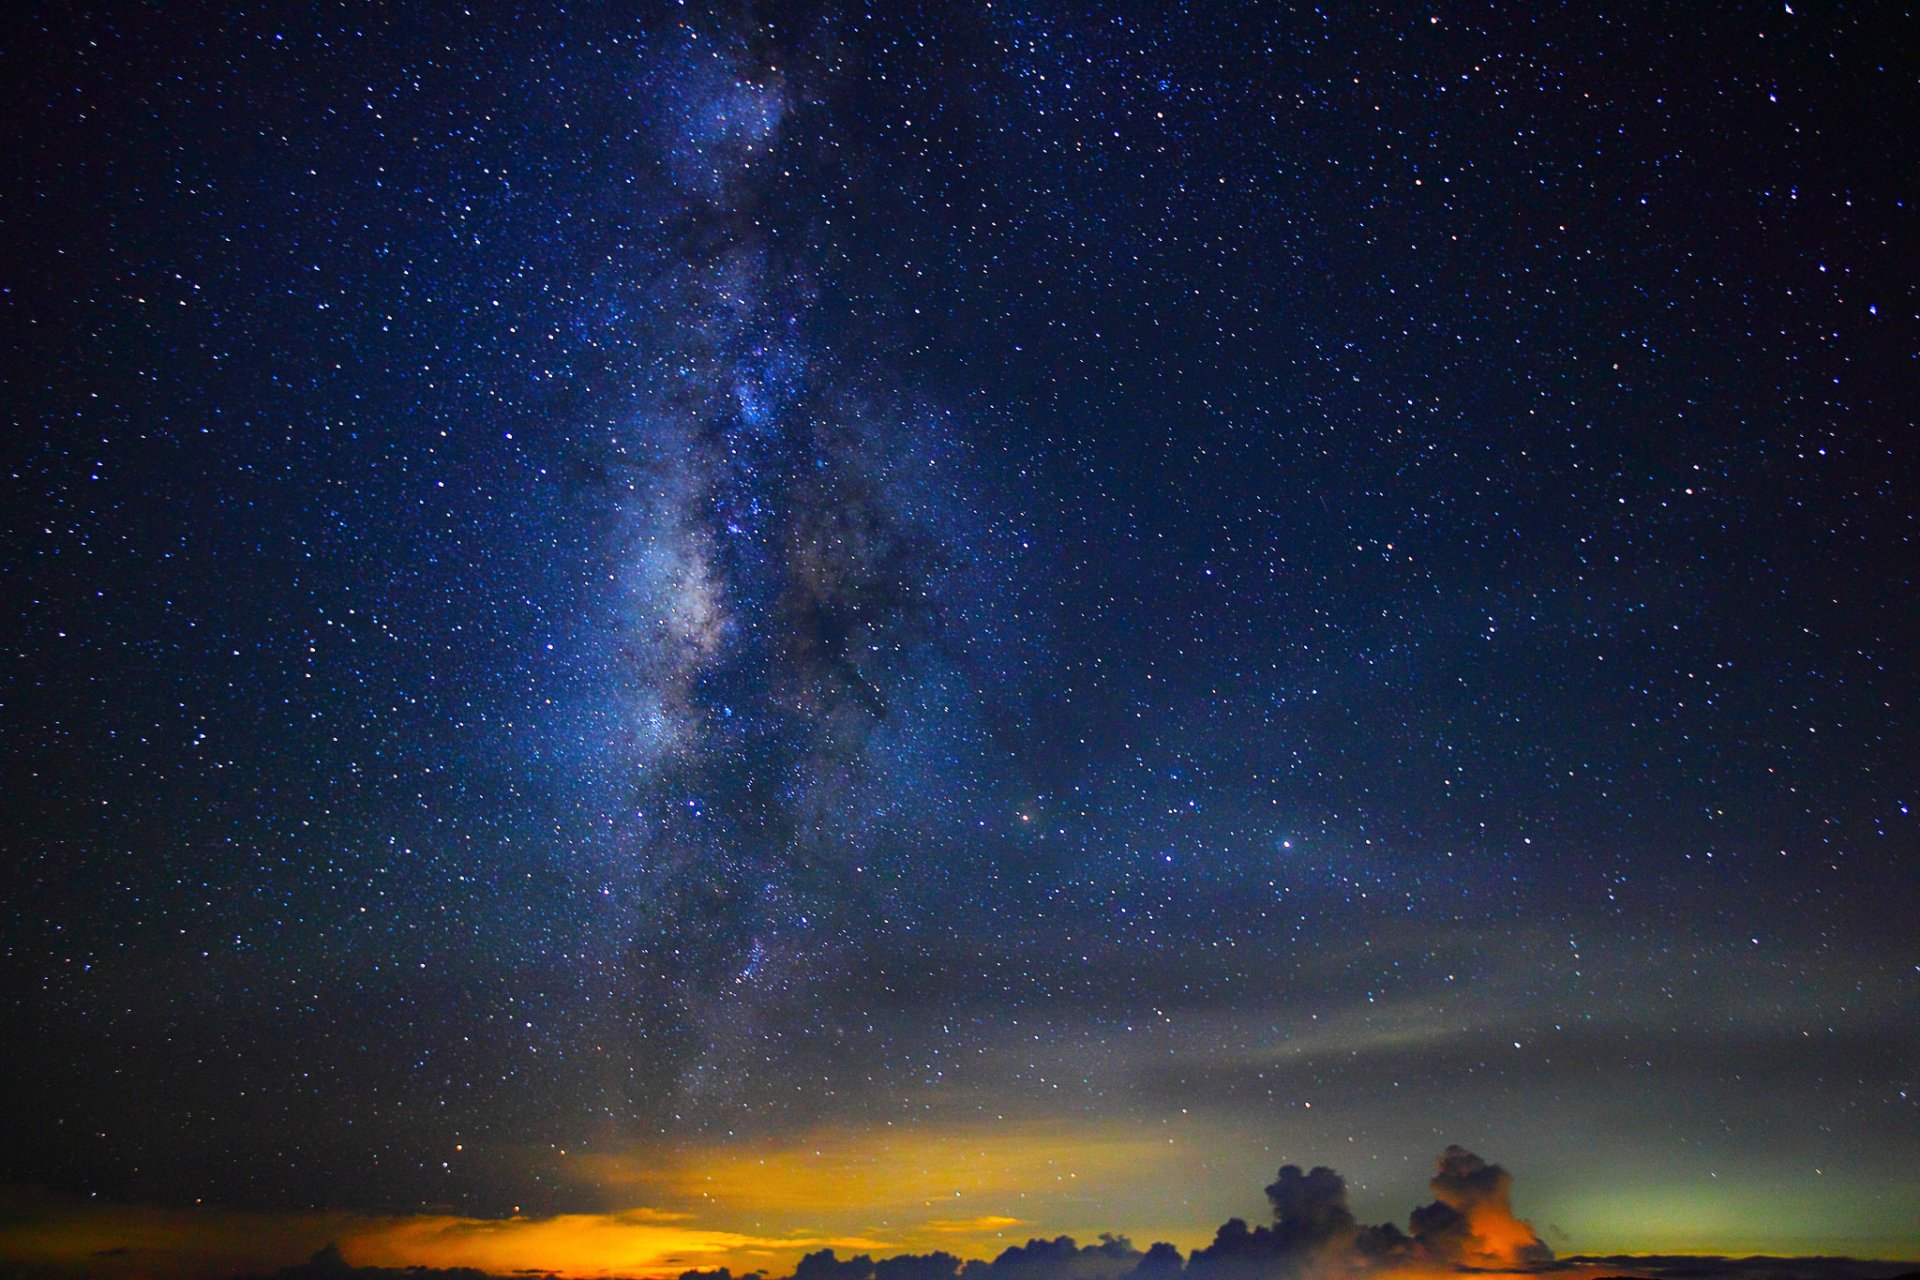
point(1311, 1224)
point(1060, 1259)
point(1471, 1220)
point(824, 1265)
point(938, 1265)
point(1310, 1209)
point(1468, 1228)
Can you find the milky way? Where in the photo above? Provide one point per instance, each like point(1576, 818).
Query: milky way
point(799, 632)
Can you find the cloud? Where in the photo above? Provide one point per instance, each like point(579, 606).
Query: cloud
point(824, 1265)
point(1469, 1225)
point(1163, 1260)
point(1310, 1209)
point(1469, 1228)
point(1060, 1259)
point(1714, 1267)
point(628, 1243)
point(938, 1265)
point(60, 1236)
point(820, 1174)
point(1471, 1220)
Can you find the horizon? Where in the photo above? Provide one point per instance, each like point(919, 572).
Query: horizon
point(1473, 1227)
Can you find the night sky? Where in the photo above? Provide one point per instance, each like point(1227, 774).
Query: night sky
point(945, 623)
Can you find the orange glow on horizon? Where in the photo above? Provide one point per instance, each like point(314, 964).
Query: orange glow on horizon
point(578, 1244)
point(983, 1171)
point(968, 1190)
point(64, 1236)
point(123, 1242)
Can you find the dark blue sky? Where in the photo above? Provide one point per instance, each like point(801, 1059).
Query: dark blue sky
point(630, 579)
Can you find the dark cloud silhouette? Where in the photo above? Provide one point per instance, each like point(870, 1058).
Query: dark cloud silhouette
point(1470, 1224)
point(1312, 1228)
point(1161, 1261)
point(1237, 1251)
point(1309, 1209)
point(1712, 1267)
point(824, 1265)
point(327, 1263)
point(1469, 1227)
point(919, 1266)
point(1310, 1217)
point(1384, 1244)
point(1061, 1258)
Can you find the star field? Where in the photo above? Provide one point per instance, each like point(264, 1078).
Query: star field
point(595, 591)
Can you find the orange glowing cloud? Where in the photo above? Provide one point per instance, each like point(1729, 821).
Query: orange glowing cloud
point(633, 1243)
point(61, 1236)
point(987, 1224)
point(1471, 1220)
point(904, 1180)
